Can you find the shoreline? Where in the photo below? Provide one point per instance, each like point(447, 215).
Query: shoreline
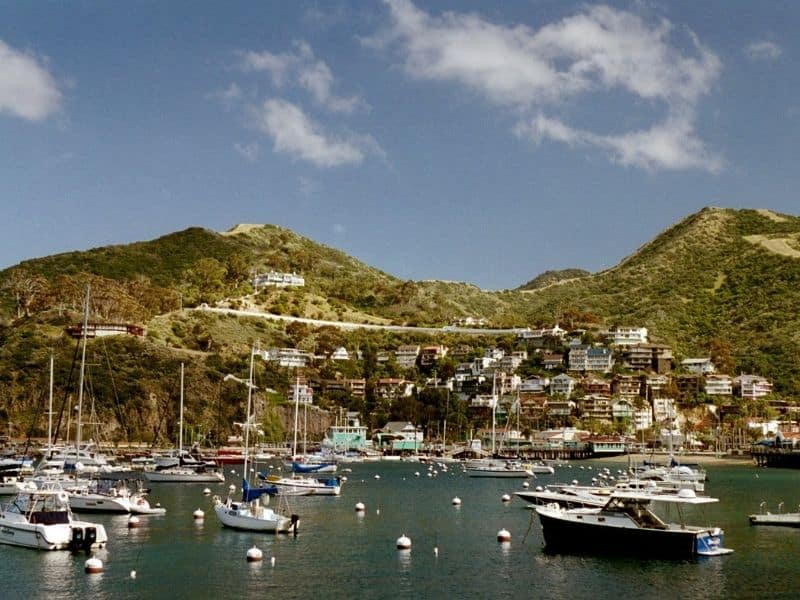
point(683, 458)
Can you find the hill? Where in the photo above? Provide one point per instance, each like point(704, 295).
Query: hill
point(721, 282)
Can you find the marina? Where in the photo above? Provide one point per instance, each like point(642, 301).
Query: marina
point(454, 551)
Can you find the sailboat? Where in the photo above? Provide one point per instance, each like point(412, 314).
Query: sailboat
point(185, 469)
point(296, 485)
point(309, 464)
point(497, 467)
point(249, 514)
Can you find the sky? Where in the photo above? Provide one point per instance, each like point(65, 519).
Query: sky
point(476, 141)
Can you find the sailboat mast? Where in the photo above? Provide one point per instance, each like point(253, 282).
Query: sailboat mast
point(180, 420)
point(247, 413)
point(83, 366)
point(494, 409)
point(296, 408)
point(50, 412)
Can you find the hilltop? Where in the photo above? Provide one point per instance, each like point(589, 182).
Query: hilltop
point(721, 282)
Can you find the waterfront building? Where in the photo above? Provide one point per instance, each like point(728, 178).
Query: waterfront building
point(400, 436)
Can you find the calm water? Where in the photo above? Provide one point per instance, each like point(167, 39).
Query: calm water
point(341, 554)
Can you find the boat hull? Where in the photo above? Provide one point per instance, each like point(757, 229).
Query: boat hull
point(50, 537)
point(262, 520)
point(507, 473)
point(580, 537)
point(184, 476)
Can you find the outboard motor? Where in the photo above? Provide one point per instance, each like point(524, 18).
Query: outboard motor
point(89, 539)
point(76, 543)
point(295, 522)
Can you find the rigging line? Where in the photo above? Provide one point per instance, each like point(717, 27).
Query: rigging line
point(116, 395)
point(66, 392)
point(530, 526)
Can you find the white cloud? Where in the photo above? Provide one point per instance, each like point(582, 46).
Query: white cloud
point(601, 49)
point(302, 67)
point(763, 50)
point(227, 97)
point(250, 151)
point(27, 89)
point(671, 145)
point(293, 133)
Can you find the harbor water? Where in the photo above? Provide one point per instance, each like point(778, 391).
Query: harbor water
point(342, 553)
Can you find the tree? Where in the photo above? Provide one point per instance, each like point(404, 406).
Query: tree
point(26, 288)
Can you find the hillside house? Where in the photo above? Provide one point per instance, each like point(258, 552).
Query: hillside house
point(627, 336)
point(596, 385)
point(559, 408)
point(664, 410)
point(699, 366)
point(552, 361)
point(276, 279)
point(719, 385)
point(590, 358)
point(648, 357)
point(340, 353)
point(655, 386)
point(393, 388)
point(305, 394)
point(534, 385)
point(286, 357)
point(752, 386)
point(406, 356)
point(430, 354)
point(595, 406)
point(562, 384)
point(626, 386)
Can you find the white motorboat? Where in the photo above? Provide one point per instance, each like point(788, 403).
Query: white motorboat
point(113, 496)
point(43, 520)
point(249, 514)
point(626, 525)
point(779, 519)
point(14, 484)
point(498, 468)
point(204, 474)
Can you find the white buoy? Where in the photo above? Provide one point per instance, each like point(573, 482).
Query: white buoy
point(198, 515)
point(93, 565)
point(206, 492)
point(526, 485)
point(133, 522)
point(456, 501)
point(436, 551)
point(272, 561)
point(133, 574)
point(360, 507)
point(377, 511)
point(344, 477)
point(403, 542)
point(254, 555)
point(430, 474)
point(416, 473)
point(231, 488)
point(233, 472)
point(503, 535)
point(377, 476)
point(506, 498)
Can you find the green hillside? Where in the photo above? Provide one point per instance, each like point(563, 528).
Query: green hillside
point(724, 283)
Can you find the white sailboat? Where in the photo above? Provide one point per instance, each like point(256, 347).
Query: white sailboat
point(497, 467)
point(297, 485)
point(249, 514)
point(183, 470)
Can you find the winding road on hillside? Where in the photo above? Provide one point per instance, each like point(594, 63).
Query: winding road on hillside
point(351, 326)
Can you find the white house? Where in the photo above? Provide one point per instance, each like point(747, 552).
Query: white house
point(534, 385)
point(719, 385)
point(627, 336)
point(701, 366)
point(305, 395)
point(273, 278)
point(340, 353)
point(752, 386)
point(562, 384)
point(286, 357)
point(406, 356)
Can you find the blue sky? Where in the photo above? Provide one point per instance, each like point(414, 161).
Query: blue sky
point(483, 142)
